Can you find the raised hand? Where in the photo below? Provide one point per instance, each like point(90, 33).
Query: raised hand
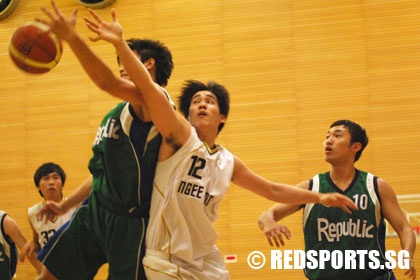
point(110, 32)
point(63, 27)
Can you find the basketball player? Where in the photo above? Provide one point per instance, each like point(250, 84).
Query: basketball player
point(193, 172)
point(111, 227)
point(375, 199)
point(49, 180)
point(10, 236)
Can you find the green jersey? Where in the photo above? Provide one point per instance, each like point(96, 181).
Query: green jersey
point(341, 234)
point(124, 159)
point(111, 227)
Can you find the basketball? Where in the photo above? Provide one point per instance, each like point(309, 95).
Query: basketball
point(34, 49)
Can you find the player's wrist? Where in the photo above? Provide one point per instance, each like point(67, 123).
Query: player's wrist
point(72, 37)
point(63, 206)
point(320, 199)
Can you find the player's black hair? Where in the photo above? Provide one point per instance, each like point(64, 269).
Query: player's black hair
point(191, 87)
point(358, 134)
point(147, 48)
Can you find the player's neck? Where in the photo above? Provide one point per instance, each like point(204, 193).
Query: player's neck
point(342, 176)
point(55, 198)
point(207, 135)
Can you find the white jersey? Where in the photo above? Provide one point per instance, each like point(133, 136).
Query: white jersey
point(187, 191)
point(46, 229)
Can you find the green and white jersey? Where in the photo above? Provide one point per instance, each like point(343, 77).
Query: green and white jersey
point(124, 159)
point(333, 229)
point(112, 226)
point(8, 253)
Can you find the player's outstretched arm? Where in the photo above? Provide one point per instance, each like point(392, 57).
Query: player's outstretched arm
point(278, 192)
point(173, 127)
point(395, 216)
point(102, 75)
point(268, 220)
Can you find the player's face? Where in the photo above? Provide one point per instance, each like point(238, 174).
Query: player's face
point(51, 186)
point(204, 111)
point(337, 145)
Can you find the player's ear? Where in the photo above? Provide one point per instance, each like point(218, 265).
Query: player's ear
point(150, 63)
point(356, 146)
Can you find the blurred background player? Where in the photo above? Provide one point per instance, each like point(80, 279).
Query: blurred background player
point(343, 146)
point(10, 237)
point(49, 180)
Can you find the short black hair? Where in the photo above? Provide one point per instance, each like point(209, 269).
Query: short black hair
point(191, 87)
point(46, 169)
point(146, 49)
point(358, 134)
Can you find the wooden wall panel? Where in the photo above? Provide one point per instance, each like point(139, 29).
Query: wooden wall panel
point(292, 68)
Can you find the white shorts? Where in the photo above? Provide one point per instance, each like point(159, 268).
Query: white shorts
point(158, 266)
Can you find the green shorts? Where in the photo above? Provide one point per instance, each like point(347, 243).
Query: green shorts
point(93, 237)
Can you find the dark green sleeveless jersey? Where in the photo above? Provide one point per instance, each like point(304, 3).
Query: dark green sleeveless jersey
point(333, 229)
point(124, 159)
point(8, 253)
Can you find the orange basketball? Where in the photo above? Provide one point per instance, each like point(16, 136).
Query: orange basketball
point(35, 50)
